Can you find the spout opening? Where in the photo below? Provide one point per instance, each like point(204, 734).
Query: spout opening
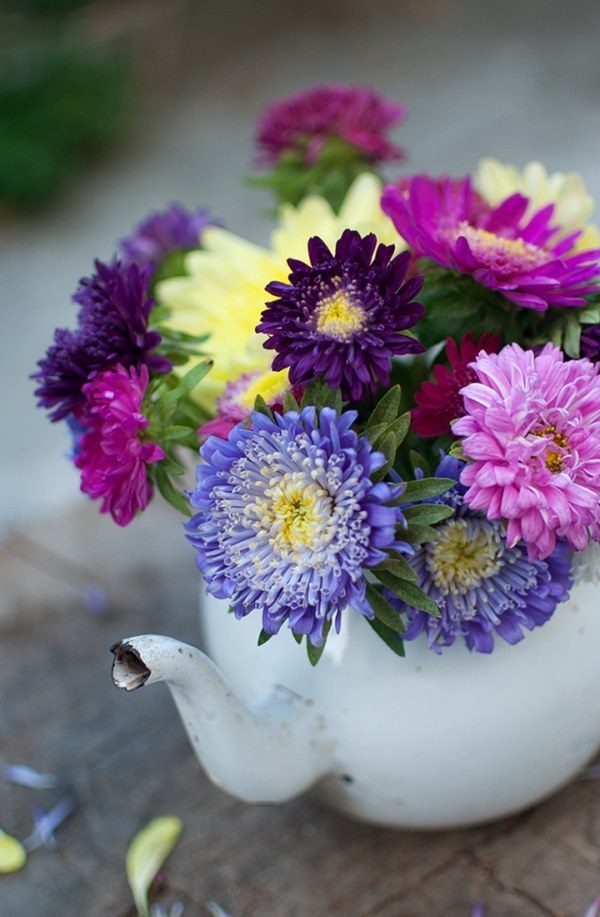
point(129, 671)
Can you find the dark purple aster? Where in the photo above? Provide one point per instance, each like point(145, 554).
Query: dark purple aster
point(590, 343)
point(343, 315)
point(113, 328)
point(165, 231)
point(482, 587)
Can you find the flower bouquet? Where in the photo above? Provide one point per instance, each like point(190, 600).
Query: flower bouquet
point(397, 410)
point(397, 403)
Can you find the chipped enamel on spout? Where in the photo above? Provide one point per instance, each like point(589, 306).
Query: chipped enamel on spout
point(268, 753)
point(426, 742)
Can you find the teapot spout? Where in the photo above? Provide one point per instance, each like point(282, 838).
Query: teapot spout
point(268, 753)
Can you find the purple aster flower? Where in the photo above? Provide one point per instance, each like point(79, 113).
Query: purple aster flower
point(590, 343)
point(289, 517)
point(481, 586)
point(343, 315)
point(305, 121)
point(165, 231)
point(113, 328)
point(527, 260)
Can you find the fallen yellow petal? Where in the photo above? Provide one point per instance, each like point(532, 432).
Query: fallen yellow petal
point(12, 854)
point(146, 853)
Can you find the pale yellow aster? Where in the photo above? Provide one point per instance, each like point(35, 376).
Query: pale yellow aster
point(496, 181)
point(224, 294)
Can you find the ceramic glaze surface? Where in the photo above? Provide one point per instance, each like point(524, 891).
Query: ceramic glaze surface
point(431, 741)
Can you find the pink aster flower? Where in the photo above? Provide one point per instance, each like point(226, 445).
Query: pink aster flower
point(237, 402)
point(440, 402)
point(521, 259)
point(532, 433)
point(112, 455)
point(305, 121)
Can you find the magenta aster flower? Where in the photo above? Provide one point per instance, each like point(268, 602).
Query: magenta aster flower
point(114, 315)
point(440, 402)
point(532, 432)
point(343, 315)
point(305, 121)
point(112, 455)
point(163, 232)
point(590, 343)
point(521, 259)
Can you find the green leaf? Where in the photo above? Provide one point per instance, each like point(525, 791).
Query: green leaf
point(13, 855)
point(390, 637)
point(297, 638)
point(397, 566)
point(400, 428)
point(456, 450)
point(572, 337)
point(170, 492)
point(146, 854)
point(387, 445)
point(318, 394)
point(314, 653)
point(413, 595)
point(386, 410)
point(187, 383)
point(428, 513)
point(590, 315)
point(290, 403)
point(418, 461)
point(263, 637)
point(382, 609)
point(425, 489)
point(373, 433)
point(418, 534)
point(261, 407)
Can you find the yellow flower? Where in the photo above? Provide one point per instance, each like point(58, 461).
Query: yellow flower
point(496, 181)
point(224, 294)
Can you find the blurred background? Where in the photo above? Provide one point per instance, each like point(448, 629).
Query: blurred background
point(112, 108)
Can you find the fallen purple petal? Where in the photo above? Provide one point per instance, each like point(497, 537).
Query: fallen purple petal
point(27, 776)
point(46, 823)
point(96, 599)
point(216, 910)
point(594, 909)
point(478, 909)
point(176, 910)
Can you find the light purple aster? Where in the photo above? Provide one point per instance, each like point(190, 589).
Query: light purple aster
point(173, 229)
point(527, 260)
point(305, 121)
point(289, 518)
point(482, 587)
point(343, 315)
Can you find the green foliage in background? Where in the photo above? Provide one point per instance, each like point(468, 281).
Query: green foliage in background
point(58, 107)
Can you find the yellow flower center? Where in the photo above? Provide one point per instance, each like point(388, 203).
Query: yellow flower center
point(460, 559)
point(269, 384)
point(554, 460)
point(297, 514)
point(339, 316)
point(499, 253)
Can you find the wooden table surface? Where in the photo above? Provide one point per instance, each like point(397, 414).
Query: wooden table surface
point(124, 759)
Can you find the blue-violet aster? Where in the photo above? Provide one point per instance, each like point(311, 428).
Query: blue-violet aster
point(114, 313)
point(343, 315)
point(481, 586)
point(173, 229)
point(288, 518)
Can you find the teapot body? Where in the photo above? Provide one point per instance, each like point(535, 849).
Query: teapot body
point(433, 741)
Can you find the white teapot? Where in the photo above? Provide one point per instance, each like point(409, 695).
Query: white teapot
point(424, 742)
